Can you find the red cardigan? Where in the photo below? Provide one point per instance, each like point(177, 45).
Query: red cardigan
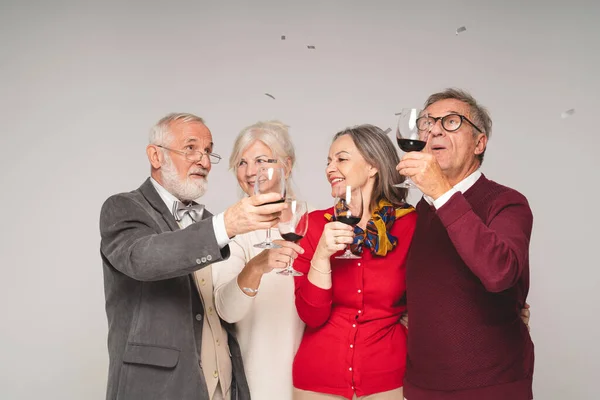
point(353, 341)
point(468, 278)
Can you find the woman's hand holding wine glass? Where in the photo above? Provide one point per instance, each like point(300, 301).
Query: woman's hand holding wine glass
point(276, 258)
point(293, 225)
point(348, 209)
point(337, 235)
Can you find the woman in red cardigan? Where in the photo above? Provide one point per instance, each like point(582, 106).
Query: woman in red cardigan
point(354, 345)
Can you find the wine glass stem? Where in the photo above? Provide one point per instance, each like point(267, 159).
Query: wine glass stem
point(268, 236)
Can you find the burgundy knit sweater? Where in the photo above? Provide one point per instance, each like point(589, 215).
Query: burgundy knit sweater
point(467, 279)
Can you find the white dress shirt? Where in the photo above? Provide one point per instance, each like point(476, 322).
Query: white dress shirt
point(461, 186)
point(218, 220)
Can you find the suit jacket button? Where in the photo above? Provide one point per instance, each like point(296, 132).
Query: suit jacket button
point(203, 260)
point(216, 374)
point(198, 261)
point(198, 317)
point(209, 257)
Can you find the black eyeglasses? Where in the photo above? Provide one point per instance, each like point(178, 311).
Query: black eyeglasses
point(195, 155)
point(450, 122)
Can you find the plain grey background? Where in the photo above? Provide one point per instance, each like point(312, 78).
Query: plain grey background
point(81, 83)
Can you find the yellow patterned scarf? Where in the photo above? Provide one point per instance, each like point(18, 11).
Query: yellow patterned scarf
point(377, 236)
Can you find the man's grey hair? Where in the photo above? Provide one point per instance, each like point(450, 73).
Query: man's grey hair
point(160, 134)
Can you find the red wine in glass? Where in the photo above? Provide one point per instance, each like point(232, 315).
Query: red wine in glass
point(352, 221)
point(348, 209)
point(270, 180)
point(274, 202)
point(408, 145)
point(293, 224)
point(291, 237)
point(409, 137)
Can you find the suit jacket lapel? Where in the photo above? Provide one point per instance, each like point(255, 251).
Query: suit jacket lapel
point(154, 199)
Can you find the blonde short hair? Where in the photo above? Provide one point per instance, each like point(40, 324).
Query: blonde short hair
point(275, 135)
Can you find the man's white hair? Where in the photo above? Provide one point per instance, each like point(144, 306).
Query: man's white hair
point(160, 134)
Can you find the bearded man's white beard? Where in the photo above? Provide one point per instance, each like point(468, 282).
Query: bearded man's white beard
point(185, 190)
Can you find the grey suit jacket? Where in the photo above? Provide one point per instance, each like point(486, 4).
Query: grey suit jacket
point(153, 309)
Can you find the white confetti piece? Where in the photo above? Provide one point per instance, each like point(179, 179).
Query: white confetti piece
point(388, 130)
point(461, 29)
point(567, 113)
point(270, 95)
point(398, 113)
point(311, 47)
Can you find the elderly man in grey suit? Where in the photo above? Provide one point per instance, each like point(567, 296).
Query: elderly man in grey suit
point(154, 239)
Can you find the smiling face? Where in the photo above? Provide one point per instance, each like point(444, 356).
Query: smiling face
point(256, 155)
point(347, 167)
point(456, 152)
point(185, 179)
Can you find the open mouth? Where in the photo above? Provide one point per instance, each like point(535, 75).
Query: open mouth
point(335, 181)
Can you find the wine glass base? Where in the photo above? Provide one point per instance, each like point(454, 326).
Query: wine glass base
point(407, 184)
point(289, 272)
point(350, 256)
point(267, 245)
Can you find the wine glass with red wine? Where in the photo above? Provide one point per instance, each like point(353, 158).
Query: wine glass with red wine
point(348, 208)
point(270, 180)
point(407, 136)
point(293, 225)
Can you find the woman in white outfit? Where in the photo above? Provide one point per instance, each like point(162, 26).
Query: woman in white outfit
point(261, 303)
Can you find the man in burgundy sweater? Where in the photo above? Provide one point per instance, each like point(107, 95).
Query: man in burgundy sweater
point(468, 267)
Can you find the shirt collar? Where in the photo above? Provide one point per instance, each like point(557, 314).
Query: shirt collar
point(461, 186)
point(164, 194)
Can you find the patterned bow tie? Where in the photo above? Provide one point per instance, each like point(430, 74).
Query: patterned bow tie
point(195, 211)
